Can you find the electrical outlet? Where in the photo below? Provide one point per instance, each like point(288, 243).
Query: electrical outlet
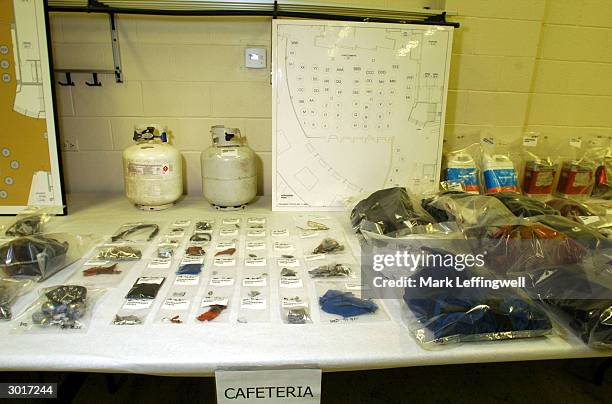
point(255, 58)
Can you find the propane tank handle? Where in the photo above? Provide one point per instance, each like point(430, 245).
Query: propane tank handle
point(148, 134)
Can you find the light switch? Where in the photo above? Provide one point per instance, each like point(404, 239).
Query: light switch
point(255, 58)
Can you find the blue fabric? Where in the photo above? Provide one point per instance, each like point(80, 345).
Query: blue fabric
point(459, 313)
point(345, 304)
point(189, 269)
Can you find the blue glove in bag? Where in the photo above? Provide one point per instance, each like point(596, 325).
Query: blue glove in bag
point(189, 269)
point(345, 304)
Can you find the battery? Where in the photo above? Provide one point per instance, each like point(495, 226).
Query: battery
point(575, 178)
point(539, 177)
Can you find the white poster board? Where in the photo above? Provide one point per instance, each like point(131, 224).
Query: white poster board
point(29, 159)
point(356, 107)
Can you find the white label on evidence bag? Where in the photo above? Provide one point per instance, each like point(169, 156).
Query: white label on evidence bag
point(221, 281)
point(172, 303)
point(589, 219)
point(283, 246)
point(256, 220)
point(291, 282)
point(192, 260)
point(160, 263)
point(228, 232)
point(255, 262)
point(254, 281)
point(256, 245)
point(137, 304)
point(224, 261)
point(282, 386)
point(256, 233)
point(94, 262)
point(214, 301)
point(253, 303)
point(224, 245)
point(288, 303)
point(187, 280)
point(288, 262)
point(280, 232)
point(151, 280)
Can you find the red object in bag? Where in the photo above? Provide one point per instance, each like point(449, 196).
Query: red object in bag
point(575, 179)
point(212, 313)
point(539, 178)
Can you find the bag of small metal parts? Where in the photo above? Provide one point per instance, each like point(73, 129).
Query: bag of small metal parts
point(524, 246)
point(439, 311)
point(28, 222)
point(393, 212)
point(42, 255)
point(579, 299)
point(342, 302)
point(63, 307)
point(294, 306)
point(138, 232)
point(332, 243)
point(204, 226)
point(106, 274)
point(254, 305)
point(176, 306)
point(10, 291)
point(333, 267)
point(200, 239)
point(118, 252)
point(214, 305)
point(166, 248)
point(133, 312)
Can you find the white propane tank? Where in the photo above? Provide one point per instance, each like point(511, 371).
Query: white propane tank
point(152, 169)
point(229, 175)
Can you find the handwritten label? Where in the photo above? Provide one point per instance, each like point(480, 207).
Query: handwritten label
point(253, 303)
point(254, 281)
point(224, 261)
point(187, 280)
point(214, 301)
point(283, 246)
point(160, 263)
point(280, 232)
point(192, 260)
point(256, 245)
point(221, 281)
point(137, 304)
point(255, 262)
point(173, 303)
point(228, 232)
point(256, 233)
point(291, 282)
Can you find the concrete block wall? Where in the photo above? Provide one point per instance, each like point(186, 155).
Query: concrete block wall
point(518, 65)
point(572, 86)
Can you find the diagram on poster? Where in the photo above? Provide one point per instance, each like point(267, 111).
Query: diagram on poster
point(29, 164)
point(356, 107)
